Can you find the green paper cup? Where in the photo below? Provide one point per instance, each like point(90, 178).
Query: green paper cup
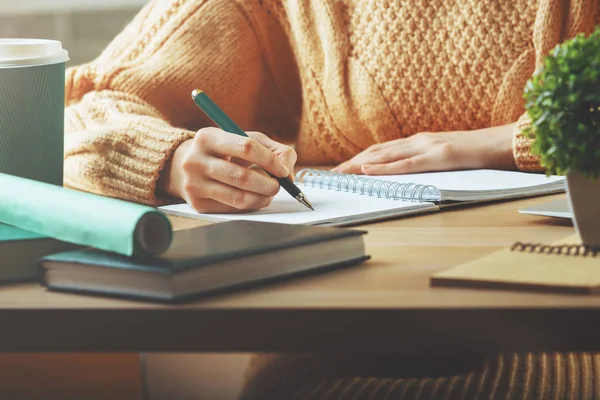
point(32, 108)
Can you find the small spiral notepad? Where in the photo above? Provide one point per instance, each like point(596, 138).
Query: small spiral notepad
point(564, 266)
point(343, 199)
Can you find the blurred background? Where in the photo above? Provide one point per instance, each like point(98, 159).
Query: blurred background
point(84, 27)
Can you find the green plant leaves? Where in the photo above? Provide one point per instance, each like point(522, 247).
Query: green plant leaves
point(562, 99)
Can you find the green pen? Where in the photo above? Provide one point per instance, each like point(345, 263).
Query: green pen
point(219, 117)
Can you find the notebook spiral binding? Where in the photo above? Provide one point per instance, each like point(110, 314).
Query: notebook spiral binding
point(368, 186)
point(564, 249)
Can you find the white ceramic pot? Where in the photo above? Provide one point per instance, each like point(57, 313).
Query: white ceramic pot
point(584, 201)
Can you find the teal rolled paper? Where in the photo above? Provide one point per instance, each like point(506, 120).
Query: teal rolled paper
point(83, 218)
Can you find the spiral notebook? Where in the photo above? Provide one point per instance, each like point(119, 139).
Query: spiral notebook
point(565, 266)
point(344, 199)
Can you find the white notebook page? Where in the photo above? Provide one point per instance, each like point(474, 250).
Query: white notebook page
point(332, 207)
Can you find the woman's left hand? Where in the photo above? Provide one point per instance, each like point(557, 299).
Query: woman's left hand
point(442, 151)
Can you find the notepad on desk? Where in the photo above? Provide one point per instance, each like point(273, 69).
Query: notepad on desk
point(565, 266)
point(343, 199)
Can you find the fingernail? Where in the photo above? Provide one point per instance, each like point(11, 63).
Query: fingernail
point(366, 168)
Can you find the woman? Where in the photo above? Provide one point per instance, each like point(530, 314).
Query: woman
point(370, 86)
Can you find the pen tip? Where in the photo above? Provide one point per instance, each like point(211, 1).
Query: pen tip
point(302, 199)
point(195, 93)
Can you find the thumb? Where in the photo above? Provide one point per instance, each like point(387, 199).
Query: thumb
point(288, 159)
point(286, 154)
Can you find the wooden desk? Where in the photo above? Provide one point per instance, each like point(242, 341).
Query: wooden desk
point(385, 305)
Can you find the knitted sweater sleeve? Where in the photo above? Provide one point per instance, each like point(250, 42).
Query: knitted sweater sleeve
point(129, 109)
point(552, 26)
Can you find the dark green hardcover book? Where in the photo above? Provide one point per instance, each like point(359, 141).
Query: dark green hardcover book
point(207, 260)
point(21, 250)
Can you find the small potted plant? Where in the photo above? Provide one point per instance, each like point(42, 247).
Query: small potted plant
point(563, 101)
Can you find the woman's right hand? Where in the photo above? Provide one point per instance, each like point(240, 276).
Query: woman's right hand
point(214, 172)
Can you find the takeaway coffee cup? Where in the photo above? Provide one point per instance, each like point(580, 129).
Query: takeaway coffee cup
point(32, 93)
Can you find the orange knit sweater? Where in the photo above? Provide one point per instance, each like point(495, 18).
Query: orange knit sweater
point(333, 76)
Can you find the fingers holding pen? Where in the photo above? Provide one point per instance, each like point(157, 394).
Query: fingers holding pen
point(212, 141)
point(210, 177)
point(219, 172)
point(210, 181)
point(234, 199)
point(237, 176)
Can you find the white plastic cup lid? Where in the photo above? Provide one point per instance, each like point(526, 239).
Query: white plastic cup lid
point(31, 52)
